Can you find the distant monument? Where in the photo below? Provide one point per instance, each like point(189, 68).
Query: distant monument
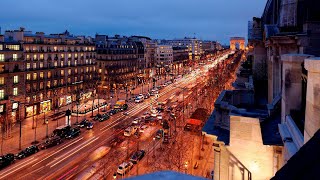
point(237, 40)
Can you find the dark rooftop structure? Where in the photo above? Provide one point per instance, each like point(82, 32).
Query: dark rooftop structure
point(305, 164)
point(209, 128)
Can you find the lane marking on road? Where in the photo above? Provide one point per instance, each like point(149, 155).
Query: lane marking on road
point(75, 150)
point(66, 174)
point(64, 147)
point(12, 170)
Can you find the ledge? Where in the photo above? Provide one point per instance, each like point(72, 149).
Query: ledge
point(312, 64)
point(295, 58)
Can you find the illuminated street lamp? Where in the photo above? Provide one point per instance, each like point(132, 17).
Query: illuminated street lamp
point(47, 123)
point(186, 166)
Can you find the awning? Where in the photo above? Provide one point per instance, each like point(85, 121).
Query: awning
point(195, 122)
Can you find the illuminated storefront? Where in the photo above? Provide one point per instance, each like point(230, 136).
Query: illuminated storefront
point(45, 106)
point(31, 110)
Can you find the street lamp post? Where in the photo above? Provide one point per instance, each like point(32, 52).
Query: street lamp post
point(47, 123)
point(77, 112)
point(186, 167)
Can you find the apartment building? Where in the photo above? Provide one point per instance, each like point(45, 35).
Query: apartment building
point(194, 46)
point(119, 61)
point(12, 82)
point(58, 69)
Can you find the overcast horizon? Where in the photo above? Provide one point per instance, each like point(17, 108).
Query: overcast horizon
point(205, 19)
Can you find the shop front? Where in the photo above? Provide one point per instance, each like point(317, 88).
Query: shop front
point(31, 110)
point(45, 106)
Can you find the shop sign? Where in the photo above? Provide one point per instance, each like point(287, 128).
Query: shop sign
point(1, 108)
point(69, 100)
point(15, 105)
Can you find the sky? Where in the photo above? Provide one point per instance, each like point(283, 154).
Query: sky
point(158, 19)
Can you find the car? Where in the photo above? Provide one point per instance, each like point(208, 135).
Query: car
point(154, 92)
point(61, 131)
point(146, 96)
point(74, 132)
point(164, 85)
point(83, 123)
point(136, 121)
point(159, 87)
point(143, 128)
point(112, 112)
point(140, 96)
point(138, 100)
point(90, 125)
point(51, 142)
point(98, 117)
point(124, 168)
point(159, 134)
point(137, 156)
point(159, 116)
point(145, 114)
point(104, 117)
point(148, 119)
point(27, 152)
point(169, 109)
point(6, 160)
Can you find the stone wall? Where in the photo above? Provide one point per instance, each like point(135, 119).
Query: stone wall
point(312, 117)
point(246, 144)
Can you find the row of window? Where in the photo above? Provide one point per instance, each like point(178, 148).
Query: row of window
point(41, 56)
point(55, 48)
point(2, 93)
point(62, 73)
point(55, 64)
point(14, 57)
point(15, 80)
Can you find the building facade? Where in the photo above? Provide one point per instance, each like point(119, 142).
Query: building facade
point(282, 46)
point(12, 83)
point(57, 70)
point(119, 61)
point(194, 46)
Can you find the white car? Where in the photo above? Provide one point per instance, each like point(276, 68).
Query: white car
point(136, 120)
point(154, 114)
point(124, 168)
point(140, 96)
point(159, 116)
point(138, 100)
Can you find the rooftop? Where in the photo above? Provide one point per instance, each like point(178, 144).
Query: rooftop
point(305, 164)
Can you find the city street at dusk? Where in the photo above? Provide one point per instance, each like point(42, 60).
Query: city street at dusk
point(153, 90)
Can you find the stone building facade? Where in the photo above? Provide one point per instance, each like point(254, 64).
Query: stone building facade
point(283, 44)
point(12, 83)
point(55, 69)
point(119, 62)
